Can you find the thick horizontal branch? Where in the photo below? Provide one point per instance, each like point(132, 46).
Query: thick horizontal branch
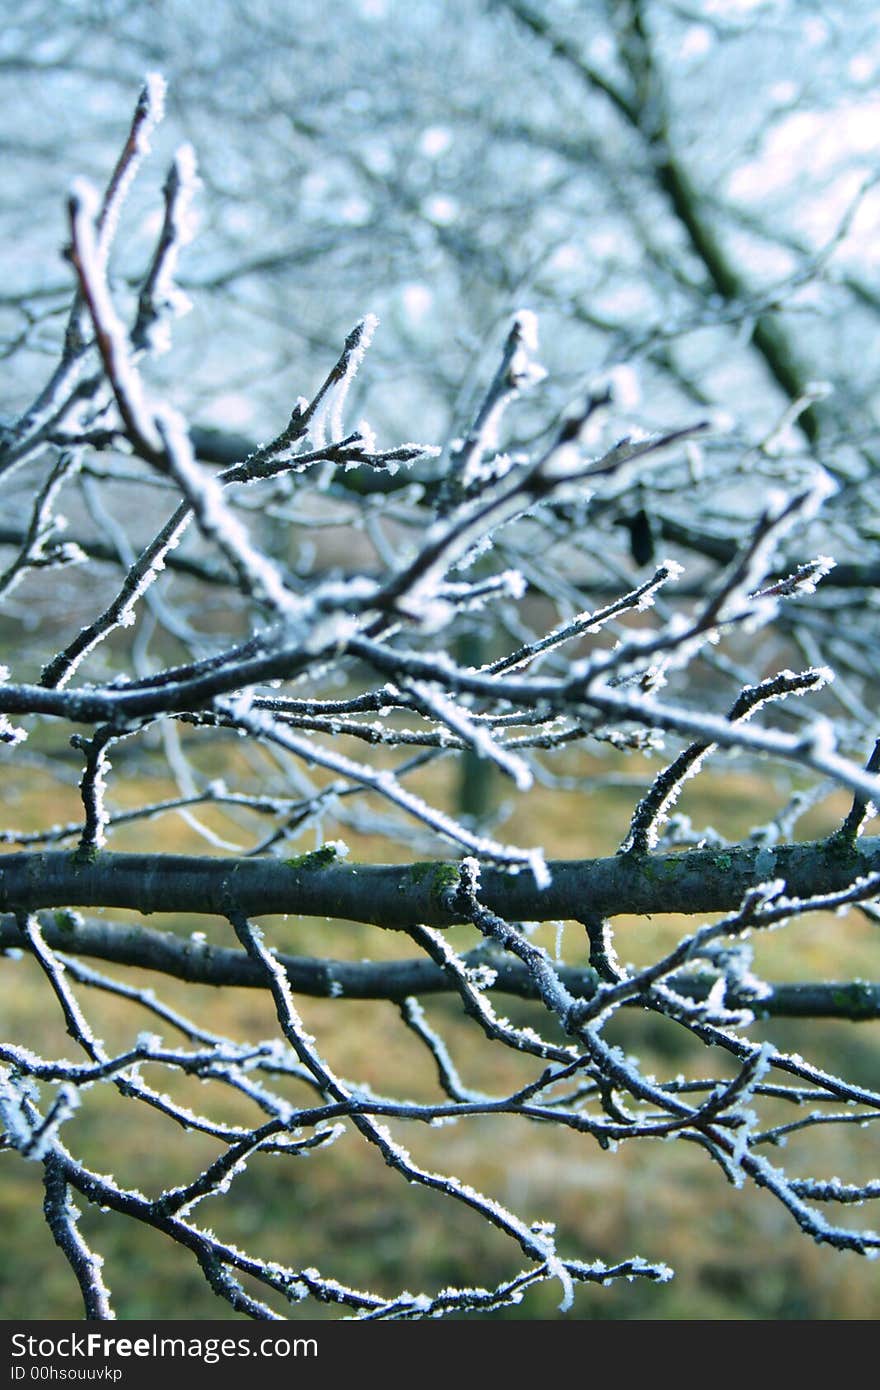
point(202, 963)
point(397, 896)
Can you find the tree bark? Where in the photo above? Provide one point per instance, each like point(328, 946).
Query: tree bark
point(397, 896)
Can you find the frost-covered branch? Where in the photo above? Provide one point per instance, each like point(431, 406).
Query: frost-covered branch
point(307, 645)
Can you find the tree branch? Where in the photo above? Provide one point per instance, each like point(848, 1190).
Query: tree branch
point(395, 896)
point(203, 963)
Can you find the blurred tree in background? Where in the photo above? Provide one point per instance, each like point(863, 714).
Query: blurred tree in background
point(238, 619)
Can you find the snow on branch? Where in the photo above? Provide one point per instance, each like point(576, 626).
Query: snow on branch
point(344, 689)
